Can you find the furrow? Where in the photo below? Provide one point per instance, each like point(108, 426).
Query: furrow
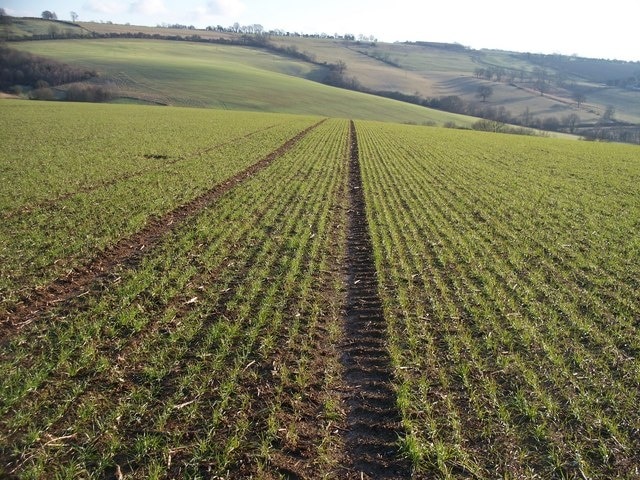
point(373, 422)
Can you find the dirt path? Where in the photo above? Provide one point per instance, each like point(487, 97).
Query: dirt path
point(373, 422)
point(128, 251)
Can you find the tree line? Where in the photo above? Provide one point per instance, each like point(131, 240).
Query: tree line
point(22, 71)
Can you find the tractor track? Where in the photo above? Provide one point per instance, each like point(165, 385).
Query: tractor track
point(68, 290)
point(373, 423)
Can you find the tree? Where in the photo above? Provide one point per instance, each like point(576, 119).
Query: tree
point(579, 98)
point(54, 31)
point(74, 16)
point(541, 79)
point(48, 15)
point(570, 121)
point(607, 115)
point(484, 91)
point(551, 123)
point(527, 117)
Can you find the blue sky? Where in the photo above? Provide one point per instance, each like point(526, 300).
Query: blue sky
point(603, 29)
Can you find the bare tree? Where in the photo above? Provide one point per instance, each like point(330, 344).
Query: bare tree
point(527, 117)
point(571, 121)
point(74, 16)
point(579, 98)
point(541, 80)
point(484, 91)
point(609, 112)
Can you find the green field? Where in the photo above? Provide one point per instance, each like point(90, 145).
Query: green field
point(235, 78)
point(226, 77)
point(173, 296)
point(510, 275)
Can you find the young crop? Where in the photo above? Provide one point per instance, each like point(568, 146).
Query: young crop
point(206, 357)
point(510, 288)
point(95, 189)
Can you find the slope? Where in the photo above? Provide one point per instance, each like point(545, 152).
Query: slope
point(224, 76)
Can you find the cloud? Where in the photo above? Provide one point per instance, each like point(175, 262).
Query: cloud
point(225, 8)
point(148, 7)
point(107, 7)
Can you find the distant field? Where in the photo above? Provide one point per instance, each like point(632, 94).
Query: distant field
point(429, 70)
point(175, 289)
point(226, 77)
point(28, 27)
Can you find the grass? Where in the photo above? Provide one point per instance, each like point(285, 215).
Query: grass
point(226, 77)
point(28, 27)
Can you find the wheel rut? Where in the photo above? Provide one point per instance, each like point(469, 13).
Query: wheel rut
point(373, 423)
point(68, 290)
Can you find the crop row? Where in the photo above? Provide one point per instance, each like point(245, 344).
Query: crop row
point(509, 276)
point(74, 192)
point(205, 357)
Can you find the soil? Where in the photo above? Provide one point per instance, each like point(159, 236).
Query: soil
point(373, 423)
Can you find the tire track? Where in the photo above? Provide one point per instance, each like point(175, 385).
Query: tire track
point(128, 251)
point(373, 423)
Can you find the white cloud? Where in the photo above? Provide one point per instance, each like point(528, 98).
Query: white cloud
point(225, 8)
point(148, 7)
point(107, 7)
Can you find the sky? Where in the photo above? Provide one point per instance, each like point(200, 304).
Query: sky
point(590, 29)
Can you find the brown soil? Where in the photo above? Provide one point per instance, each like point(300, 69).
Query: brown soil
point(373, 423)
point(67, 290)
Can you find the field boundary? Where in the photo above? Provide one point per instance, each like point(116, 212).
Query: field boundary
point(128, 251)
point(373, 422)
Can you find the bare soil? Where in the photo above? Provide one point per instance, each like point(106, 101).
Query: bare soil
point(373, 423)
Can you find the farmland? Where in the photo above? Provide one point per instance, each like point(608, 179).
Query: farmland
point(198, 293)
point(225, 77)
point(509, 274)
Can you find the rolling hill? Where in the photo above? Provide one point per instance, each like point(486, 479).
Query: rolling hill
point(285, 72)
point(225, 76)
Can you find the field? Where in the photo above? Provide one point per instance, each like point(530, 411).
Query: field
point(228, 76)
point(213, 294)
point(225, 77)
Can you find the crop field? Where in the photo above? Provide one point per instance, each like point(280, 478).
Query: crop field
point(190, 293)
point(509, 271)
point(225, 77)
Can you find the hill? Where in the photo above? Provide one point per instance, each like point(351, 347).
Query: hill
point(224, 76)
point(531, 88)
point(551, 92)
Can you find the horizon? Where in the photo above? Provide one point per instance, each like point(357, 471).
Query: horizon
point(566, 28)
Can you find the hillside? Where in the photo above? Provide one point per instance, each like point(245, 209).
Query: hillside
point(432, 70)
point(224, 76)
point(551, 92)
